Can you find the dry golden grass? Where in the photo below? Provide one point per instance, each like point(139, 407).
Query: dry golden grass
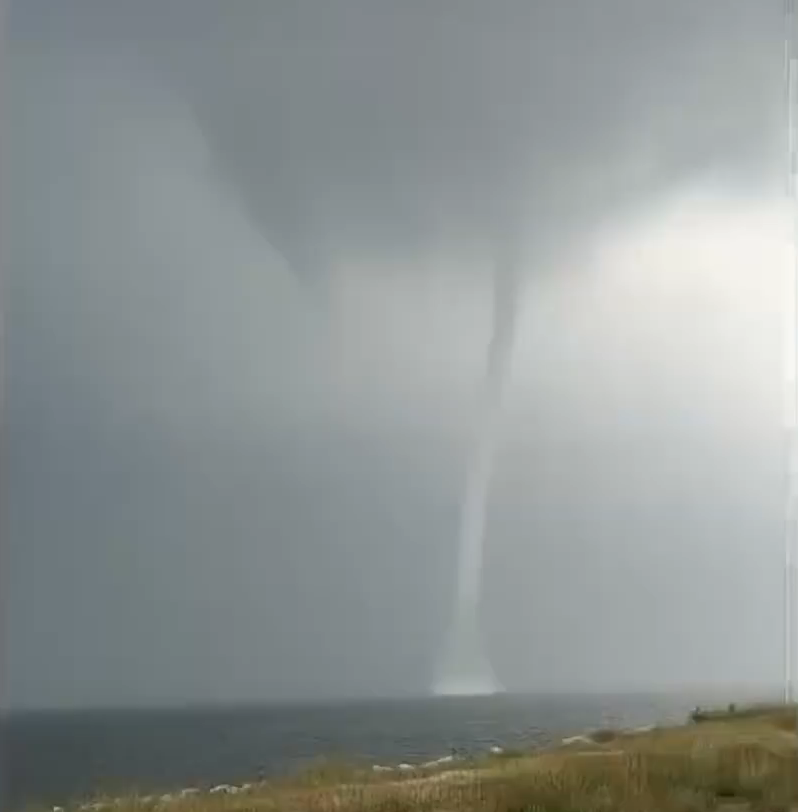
point(744, 761)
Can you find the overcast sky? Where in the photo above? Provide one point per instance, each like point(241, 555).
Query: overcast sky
point(248, 294)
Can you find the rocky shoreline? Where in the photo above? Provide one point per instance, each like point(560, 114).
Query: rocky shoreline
point(595, 737)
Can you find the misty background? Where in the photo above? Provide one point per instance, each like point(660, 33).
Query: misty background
point(248, 270)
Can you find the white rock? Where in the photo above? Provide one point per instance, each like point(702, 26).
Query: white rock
point(404, 766)
point(496, 750)
point(437, 762)
point(577, 740)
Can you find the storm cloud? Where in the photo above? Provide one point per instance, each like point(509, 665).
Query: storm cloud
point(248, 283)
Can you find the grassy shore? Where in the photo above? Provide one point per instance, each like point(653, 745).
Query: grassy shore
point(741, 760)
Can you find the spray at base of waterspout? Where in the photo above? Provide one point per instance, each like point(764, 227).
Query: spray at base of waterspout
point(465, 668)
point(461, 686)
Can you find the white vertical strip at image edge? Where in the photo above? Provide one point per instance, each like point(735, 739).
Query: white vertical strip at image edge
point(790, 366)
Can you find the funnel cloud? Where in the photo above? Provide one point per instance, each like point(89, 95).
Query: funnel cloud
point(465, 667)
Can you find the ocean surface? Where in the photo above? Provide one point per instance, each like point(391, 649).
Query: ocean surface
point(55, 757)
